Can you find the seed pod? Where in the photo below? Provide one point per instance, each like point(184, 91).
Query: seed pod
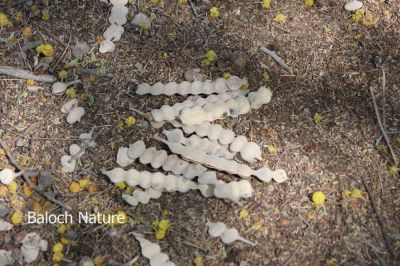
point(228, 235)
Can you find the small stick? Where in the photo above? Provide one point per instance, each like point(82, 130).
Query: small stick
point(25, 74)
point(277, 58)
point(385, 135)
point(27, 179)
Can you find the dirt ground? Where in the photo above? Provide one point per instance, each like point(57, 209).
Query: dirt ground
point(333, 73)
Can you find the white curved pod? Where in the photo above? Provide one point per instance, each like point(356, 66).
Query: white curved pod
point(227, 235)
point(229, 166)
point(152, 251)
point(141, 196)
point(113, 33)
point(233, 190)
point(220, 85)
point(204, 144)
point(260, 97)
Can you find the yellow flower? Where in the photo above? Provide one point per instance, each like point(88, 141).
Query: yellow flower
point(160, 234)
point(280, 18)
point(154, 1)
point(244, 214)
point(266, 77)
point(121, 185)
point(272, 149)
point(58, 247)
point(63, 74)
point(130, 121)
point(4, 21)
point(394, 170)
point(27, 191)
point(45, 49)
point(61, 229)
point(30, 82)
point(331, 262)
point(16, 217)
point(214, 12)
point(245, 86)
point(74, 187)
point(318, 198)
point(19, 16)
point(121, 126)
point(27, 32)
point(386, 13)
point(357, 37)
point(99, 260)
point(12, 187)
point(211, 56)
point(317, 117)
point(65, 241)
point(57, 256)
point(45, 15)
point(356, 193)
point(309, 3)
point(155, 223)
point(227, 75)
point(310, 215)
point(266, 4)
point(83, 183)
point(163, 224)
point(198, 261)
point(71, 93)
point(358, 15)
point(369, 20)
point(183, 2)
point(346, 193)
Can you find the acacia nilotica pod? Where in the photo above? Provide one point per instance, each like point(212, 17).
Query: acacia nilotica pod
point(152, 251)
point(233, 190)
point(194, 88)
point(141, 196)
point(7, 176)
point(229, 166)
point(158, 158)
point(68, 162)
point(75, 115)
point(145, 179)
point(260, 97)
point(204, 144)
point(227, 235)
point(113, 33)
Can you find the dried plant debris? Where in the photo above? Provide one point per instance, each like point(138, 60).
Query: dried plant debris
point(227, 235)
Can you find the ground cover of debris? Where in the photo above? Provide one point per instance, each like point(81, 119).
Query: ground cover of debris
point(320, 126)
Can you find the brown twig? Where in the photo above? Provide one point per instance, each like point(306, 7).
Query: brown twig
point(27, 179)
point(277, 58)
point(378, 117)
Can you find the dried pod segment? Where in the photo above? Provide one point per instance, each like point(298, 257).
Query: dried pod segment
point(233, 190)
point(192, 88)
point(141, 196)
point(229, 166)
point(227, 235)
point(68, 162)
point(206, 145)
point(248, 151)
point(113, 33)
point(211, 131)
point(260, 97)
point(145, 179)
point(152, 251)
point(158, 158)
point(7, 176)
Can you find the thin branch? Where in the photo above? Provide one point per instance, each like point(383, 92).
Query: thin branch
point(25, 74)
point(277, 58)
point(385, 135)
point(27, 179)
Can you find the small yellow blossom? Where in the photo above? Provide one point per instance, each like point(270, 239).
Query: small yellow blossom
point(160, 234)
point(63, 74)
point(272, 149)
point(227, 75)
point(331, 262)
point(266, 77)
point(45, 15)
point(61, 229)
point(386, 13)
point(58, 247)
point(83, 183)
point(394, 170)
point(318, 198)
point(16, 217)
point(266, 4)
point(12, 187)
point(244, 214)
point(27, 191)
point(245, 86)
point(30, 82)
point(369, 20)
point(309, 3)
point(357, 37)
point(74, 187)
point(317, 117)
point(280, 18)
point(71, 93)
point(4, 21)
point(19, 16)
point(198, 261)
point(99, 260)
point(310, 215)
point(356, 193)
point(45, 49)
point(164, 224)
point(57, 256)
point(130, 121)
point(183, 2)
point(346, 194)
point(358, 15)
point(211, 56)
point(27, 32)
point(214, 12)
point(65, 241)
point(154, 1)
point(121, 185)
